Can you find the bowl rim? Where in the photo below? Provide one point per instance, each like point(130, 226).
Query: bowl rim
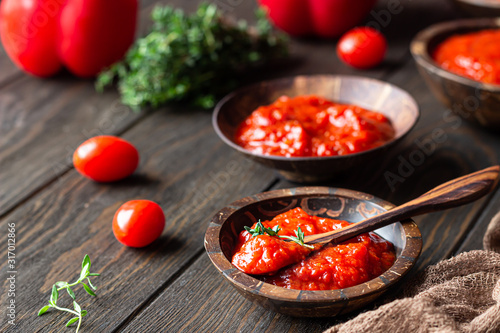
point(242, 90)
point(420, 52)
point(402, 265)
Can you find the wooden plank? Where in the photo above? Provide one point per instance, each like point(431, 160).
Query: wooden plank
point(184, 167)
point(44, 120)
point(40, 132)
point(201, 300)
point(8, 71)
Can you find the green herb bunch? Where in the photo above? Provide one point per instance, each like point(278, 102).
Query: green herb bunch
point(195, 58)
point(61, 285)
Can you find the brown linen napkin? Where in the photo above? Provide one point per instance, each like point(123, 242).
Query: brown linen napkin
point(461, 294)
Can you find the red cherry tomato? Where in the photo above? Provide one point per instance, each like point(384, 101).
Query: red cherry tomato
point(106, 158)
point(362, 47)
point(138, 223)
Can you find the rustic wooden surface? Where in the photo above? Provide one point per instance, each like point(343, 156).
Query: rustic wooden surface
point(171, 285)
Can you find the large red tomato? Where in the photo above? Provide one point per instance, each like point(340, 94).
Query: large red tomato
point(41, 36)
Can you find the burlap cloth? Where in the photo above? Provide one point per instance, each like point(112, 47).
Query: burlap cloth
point(461, 294)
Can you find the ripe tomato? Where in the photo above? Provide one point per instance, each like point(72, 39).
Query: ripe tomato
point(362, 47)
point(324, 18)
point(41, 36)
point(138, 223)
point(106, 158)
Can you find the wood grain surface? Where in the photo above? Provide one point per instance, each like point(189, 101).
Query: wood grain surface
point(44, 120)
point(171, 285)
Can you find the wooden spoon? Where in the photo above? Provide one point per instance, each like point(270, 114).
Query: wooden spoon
point(454, 193)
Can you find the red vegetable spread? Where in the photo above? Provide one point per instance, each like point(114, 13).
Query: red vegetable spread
point(474, 55)
point(290, 265)
point(312, 126)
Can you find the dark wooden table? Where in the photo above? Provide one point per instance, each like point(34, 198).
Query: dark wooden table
point(171, 285)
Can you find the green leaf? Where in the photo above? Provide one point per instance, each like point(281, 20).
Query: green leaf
point(94, 274)
point(43, 310)
point(84, 313)
point(88, 290)
point(299, 238)
point(260, 229)
point(61, 284)
point(77, 307)
point(91, 285)
point(85, 271)
point(300, 234)
point(71, 293)
point(72, 321)
point(54, 295)
point(86, 261)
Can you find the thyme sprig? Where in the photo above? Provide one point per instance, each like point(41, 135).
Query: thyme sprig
point(299, 238)
point(196, 57)
point(260, 229)
point(61, 285)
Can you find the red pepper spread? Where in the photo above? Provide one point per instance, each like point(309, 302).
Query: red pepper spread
point(294, 266)
point(312, 126)
point(474, 55)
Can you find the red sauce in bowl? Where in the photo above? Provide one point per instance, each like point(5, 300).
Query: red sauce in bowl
point(474, 55)
point(294, 266)
point(312, 126)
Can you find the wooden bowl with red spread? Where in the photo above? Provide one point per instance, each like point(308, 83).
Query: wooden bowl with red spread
point(473, 100)
point(386, 100)
point(221, 238)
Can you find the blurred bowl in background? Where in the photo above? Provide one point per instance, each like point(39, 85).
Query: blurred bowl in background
point(472, 100)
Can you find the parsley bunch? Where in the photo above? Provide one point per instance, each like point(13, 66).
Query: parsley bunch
point(196, 58)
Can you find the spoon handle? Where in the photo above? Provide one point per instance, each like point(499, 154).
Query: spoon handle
point(453, 193)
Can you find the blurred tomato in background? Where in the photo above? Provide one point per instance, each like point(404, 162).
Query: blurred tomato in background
point(323, 18)
point(85, 36)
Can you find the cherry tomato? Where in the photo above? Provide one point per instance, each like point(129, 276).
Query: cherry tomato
point(362, 47)
point(138, 223)
point(106, 158)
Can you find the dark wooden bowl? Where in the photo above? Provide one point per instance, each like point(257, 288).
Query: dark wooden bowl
point(472, 100)
point(323, 201)
point(479, 8)
point(372, 94)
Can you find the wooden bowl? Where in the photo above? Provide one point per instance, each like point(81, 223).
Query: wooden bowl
point(479, 8)
point(372, 94)
point(472, 100)
point(323, 201)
